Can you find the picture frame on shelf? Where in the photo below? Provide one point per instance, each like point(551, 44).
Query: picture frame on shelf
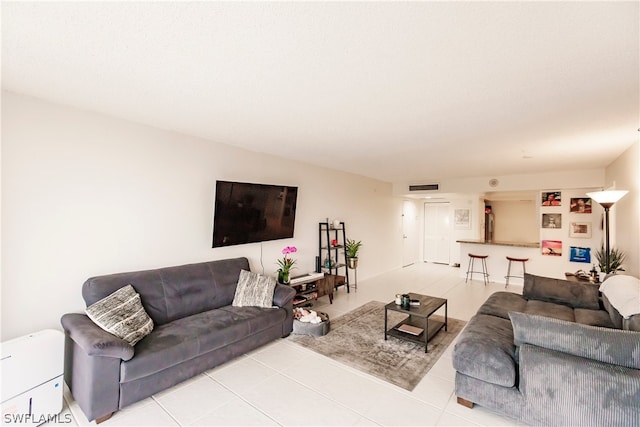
point(580, 229)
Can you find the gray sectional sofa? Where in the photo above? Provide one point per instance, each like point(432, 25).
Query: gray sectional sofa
point(551, 356)
point(196, 329)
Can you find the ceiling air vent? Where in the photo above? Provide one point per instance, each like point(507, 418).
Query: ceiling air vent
point(423, 187)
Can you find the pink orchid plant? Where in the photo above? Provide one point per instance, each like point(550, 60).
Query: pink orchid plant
point(286, 263)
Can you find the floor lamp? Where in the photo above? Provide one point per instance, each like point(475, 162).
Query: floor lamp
point(606, 199)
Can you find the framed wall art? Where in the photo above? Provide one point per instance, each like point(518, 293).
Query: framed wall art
point(551, 198)
point(580, 205)
point(581, 230)
point(462, 218)
point(552, 220)
point(577, 254)
point(552, 247)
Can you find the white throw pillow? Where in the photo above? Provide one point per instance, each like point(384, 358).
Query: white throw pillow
point(254, 290)
point(122, 315)
point(623, 292)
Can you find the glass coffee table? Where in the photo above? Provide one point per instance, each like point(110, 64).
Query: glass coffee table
point(417, 327)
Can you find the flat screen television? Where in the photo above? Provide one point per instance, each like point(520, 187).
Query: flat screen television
point(248, 213)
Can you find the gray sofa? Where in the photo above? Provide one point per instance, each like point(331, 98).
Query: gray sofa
point(551, 356)
point(196, 329)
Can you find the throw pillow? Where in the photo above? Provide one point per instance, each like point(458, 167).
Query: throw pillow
point(623, 293)
point(572, 294)
point(122, 315)
point(254, 290)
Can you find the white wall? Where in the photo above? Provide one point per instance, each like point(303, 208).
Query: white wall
point(624, 174)
point(85, 195)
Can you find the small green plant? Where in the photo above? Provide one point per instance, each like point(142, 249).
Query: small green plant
point(352, 247)
point(616, 258)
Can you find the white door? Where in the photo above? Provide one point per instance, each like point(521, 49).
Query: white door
point(437, 226)
point(409, 233)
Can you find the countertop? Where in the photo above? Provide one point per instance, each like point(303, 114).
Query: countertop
point(501, 243)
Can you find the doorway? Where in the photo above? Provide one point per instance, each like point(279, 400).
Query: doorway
point(409, 233)
point(437, 230)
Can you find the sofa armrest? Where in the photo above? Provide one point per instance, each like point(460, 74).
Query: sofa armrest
point(94, 340)
point(612, 346)
point(283, 298)
point(283, 295)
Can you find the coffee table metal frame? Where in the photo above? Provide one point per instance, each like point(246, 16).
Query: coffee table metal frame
point(419, 317)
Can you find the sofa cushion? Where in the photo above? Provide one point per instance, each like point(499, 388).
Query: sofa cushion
point(501, 303)
point(573, 294)
point(189, 337)
point(603, 344)
point(485, 350)
point(122, 315)
point(549, 309)
point(593, 317)
point(254, 290)
point(174, 292)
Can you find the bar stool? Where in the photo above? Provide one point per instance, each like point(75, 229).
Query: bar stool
point(484, 272)
point(524, 268)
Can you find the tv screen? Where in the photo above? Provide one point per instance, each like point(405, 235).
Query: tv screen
point(248, 213)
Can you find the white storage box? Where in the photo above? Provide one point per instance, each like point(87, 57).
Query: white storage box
point(32, 378)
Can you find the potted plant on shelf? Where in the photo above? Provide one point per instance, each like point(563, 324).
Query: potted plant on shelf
point(286, 264)
point(616, 258)
point(352, 247)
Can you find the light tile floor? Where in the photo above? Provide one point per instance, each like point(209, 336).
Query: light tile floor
point(285, 384)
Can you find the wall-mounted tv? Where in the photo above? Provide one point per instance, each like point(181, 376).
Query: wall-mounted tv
point(248, 213)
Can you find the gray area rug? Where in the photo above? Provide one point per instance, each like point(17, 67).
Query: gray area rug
point(357, 339)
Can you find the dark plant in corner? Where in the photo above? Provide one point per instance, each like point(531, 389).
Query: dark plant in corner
point(616, 258)
point(352, 247)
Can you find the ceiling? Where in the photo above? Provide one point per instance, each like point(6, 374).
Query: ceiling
point(397, 91)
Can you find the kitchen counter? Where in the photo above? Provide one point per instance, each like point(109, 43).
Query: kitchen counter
point(496, 261)
point(501, 243)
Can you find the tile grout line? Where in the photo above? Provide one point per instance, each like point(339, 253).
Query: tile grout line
point(239, 396)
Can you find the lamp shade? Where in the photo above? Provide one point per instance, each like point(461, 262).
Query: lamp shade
point(609, 197)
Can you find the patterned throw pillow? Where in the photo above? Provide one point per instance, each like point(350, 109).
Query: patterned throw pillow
point(254, 290)
point(122, 315)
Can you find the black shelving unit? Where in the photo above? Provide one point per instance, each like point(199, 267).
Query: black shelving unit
point(332, 258)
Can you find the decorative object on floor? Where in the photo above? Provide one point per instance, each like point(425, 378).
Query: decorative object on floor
point(357, 340)
point(286, 264)
point(352, 247)
point(607, 199)
point(309, 322)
